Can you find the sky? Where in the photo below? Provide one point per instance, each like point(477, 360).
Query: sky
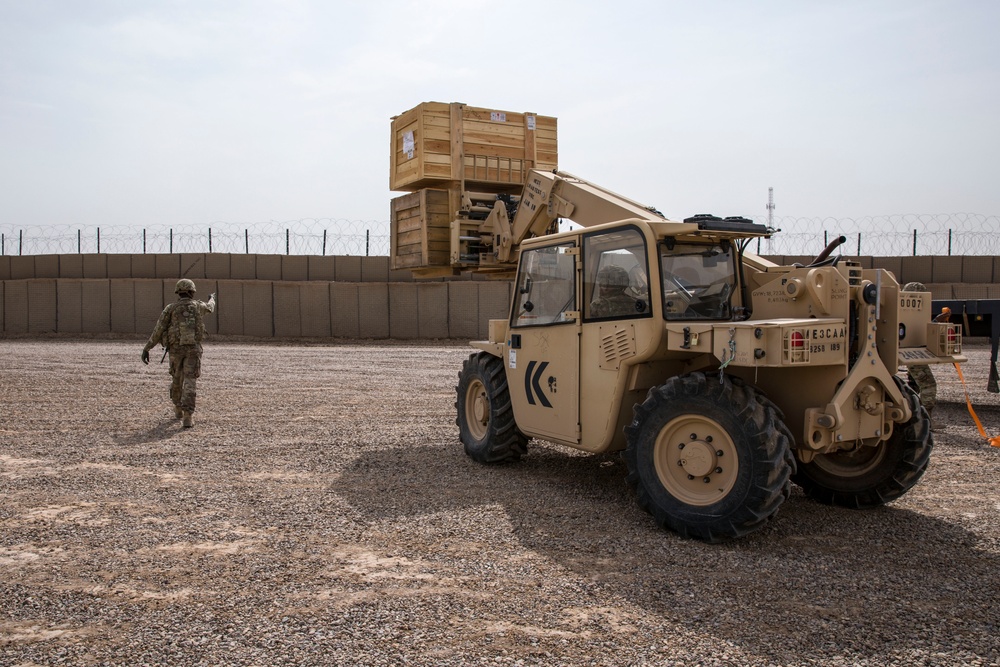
point(115, 112)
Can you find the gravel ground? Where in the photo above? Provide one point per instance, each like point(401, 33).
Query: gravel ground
point(322, 512)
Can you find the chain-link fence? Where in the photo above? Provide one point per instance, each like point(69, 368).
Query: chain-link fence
point(880, 236)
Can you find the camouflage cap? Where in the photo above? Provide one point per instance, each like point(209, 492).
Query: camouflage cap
point(914, 287)
point(613, 276)
point(185, 285)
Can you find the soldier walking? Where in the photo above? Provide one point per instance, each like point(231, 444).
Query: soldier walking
point(181, 329)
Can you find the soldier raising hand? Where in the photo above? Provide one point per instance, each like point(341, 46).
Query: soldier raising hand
point(180, 330)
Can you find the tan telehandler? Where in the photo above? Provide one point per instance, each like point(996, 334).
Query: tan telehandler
point(722, 376)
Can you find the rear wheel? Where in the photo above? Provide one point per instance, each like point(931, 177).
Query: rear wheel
point(485, 419)
point(708, 459)
point(873, 476)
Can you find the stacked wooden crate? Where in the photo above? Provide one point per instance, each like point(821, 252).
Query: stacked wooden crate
point(441, 150)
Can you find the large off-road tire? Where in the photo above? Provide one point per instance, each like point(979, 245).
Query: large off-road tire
point(708, 459)
point(485, 420)
point(872, 476)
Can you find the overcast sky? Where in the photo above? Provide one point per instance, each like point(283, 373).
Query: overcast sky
point(148, 113)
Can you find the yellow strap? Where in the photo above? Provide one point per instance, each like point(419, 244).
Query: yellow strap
point(994, 441)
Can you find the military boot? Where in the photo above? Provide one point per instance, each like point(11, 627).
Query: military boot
point(178, 413)
point(188, 419)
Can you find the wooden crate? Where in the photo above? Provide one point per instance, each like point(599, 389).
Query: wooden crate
point(438, 145)
point(420, 226)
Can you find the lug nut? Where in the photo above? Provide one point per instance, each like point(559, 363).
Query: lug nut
point(680, 446)
point(690, 476)
point(694, 436)
point(707, 480)
point(708, 438)
point(718, 452)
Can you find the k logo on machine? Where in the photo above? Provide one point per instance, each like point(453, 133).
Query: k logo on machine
point(532, 383)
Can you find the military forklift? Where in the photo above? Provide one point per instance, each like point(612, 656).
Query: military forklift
point(722, 376)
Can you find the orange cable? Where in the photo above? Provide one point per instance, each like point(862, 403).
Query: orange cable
point(994, 441)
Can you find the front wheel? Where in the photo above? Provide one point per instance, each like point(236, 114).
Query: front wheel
point(485, 419)
point(708, 458)
point(872, 476)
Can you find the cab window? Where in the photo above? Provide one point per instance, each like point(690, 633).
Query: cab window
point(545, 287)
point(616, 275)
point(698, 281)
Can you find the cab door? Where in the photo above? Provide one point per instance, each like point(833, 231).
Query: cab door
point(543, 345)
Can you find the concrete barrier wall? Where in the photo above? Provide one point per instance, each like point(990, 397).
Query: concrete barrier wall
point(929, 269)
point(355, 269)
point(294, 296)
point(259, 308)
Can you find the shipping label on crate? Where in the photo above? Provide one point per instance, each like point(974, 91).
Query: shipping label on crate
point(408, 144)
point(498, 116)
point(531, 123)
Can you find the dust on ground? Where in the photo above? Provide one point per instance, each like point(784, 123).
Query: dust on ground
point(322, 512)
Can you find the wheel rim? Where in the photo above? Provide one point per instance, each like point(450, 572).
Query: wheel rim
point(477, 409)
point(855, 463)
point(696, 460)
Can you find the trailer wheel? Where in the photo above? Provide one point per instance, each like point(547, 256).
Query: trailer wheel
point(485, 419)
point(873, 476)
point(708, 459)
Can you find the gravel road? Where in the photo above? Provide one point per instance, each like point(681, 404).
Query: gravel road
point(322, 512)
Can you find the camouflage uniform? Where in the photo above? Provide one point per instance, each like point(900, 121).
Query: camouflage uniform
point(181, 329)
point(612, 281)
point(921, 375)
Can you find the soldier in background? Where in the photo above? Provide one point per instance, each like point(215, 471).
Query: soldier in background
point(921, 375)
point(612, 301)
point(181, 329)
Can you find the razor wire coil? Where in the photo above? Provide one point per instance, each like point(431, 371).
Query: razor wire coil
point(878, 236)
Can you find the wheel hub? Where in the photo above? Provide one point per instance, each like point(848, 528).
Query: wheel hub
point(698, 458)
point(480, 408)
point(477, 409)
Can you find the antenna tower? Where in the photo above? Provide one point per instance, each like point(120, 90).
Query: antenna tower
point(770, 207)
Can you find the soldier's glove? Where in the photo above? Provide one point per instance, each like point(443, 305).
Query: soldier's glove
point(212, 297)
point(145, 357)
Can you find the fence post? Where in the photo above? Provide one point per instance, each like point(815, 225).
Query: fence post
point(3, 244)
point(914, 243)
point(210, 239)
point(143, 241)
point(246, 239)
point(171, 240)
point(367, 234)
point(758, 245)
point(949, 243)
point(98, 240)
point(287, 242)
point(324, 242)
point(20, 242)
point(826, 242)
point(859, 244)
point(79, 244)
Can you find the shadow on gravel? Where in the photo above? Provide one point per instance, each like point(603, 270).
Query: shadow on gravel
point(955, 426)
point(165, 430)
point(863, 581)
